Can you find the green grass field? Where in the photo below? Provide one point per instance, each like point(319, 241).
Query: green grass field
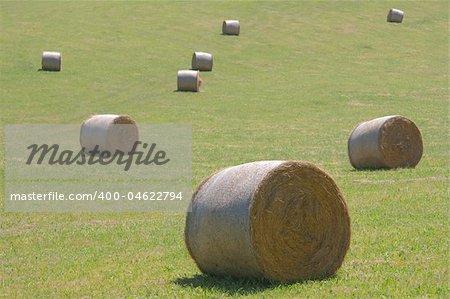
point(292, 86)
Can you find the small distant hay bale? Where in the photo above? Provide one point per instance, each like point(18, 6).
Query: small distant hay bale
point(110, 132)
point(51, 61)
point(385, 142)
point(202, 61)
point(277, 220)
point(188, 80)
point(395, 16)
point(231, 27)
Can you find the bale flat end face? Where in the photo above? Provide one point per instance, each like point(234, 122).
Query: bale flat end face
point(124, 120)
point(51, 61)
point(395, 16)
point(300, 226)
point(401, 143)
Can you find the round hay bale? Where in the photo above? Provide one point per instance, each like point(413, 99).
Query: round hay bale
point(51, 61)
point(231, 27)
point(395, 15)
point(202, 61)
point(110, 132)
point(386, 142)
point(188, 80)
point(278, 220)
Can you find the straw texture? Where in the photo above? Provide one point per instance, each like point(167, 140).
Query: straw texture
point(188, 80)
point(51, 61)
point(386, 142)
point(202, 61)
point(278, 220)
point(231, 27)
point(395, 16)
point(110, 132)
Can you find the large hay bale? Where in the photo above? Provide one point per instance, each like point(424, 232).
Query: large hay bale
point(188, 80)
point(202, 61)
point(231, 27)
point(278, 220)
point(110, 132)
point(51, 61)
point(395, 15)
point(385, 142)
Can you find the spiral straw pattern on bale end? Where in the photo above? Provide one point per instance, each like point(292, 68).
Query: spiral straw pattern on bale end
point(124, 120)
point(278, 220)
point(385, 142)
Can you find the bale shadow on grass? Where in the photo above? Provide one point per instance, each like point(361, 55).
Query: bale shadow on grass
point(228, 285)
point(185, 91)
point(233, 286)
point(50, 71)
point(372, 169)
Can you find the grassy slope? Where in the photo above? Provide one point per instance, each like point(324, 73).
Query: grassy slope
point(291, 86)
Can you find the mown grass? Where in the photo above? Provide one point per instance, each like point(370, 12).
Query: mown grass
point(292, 86)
